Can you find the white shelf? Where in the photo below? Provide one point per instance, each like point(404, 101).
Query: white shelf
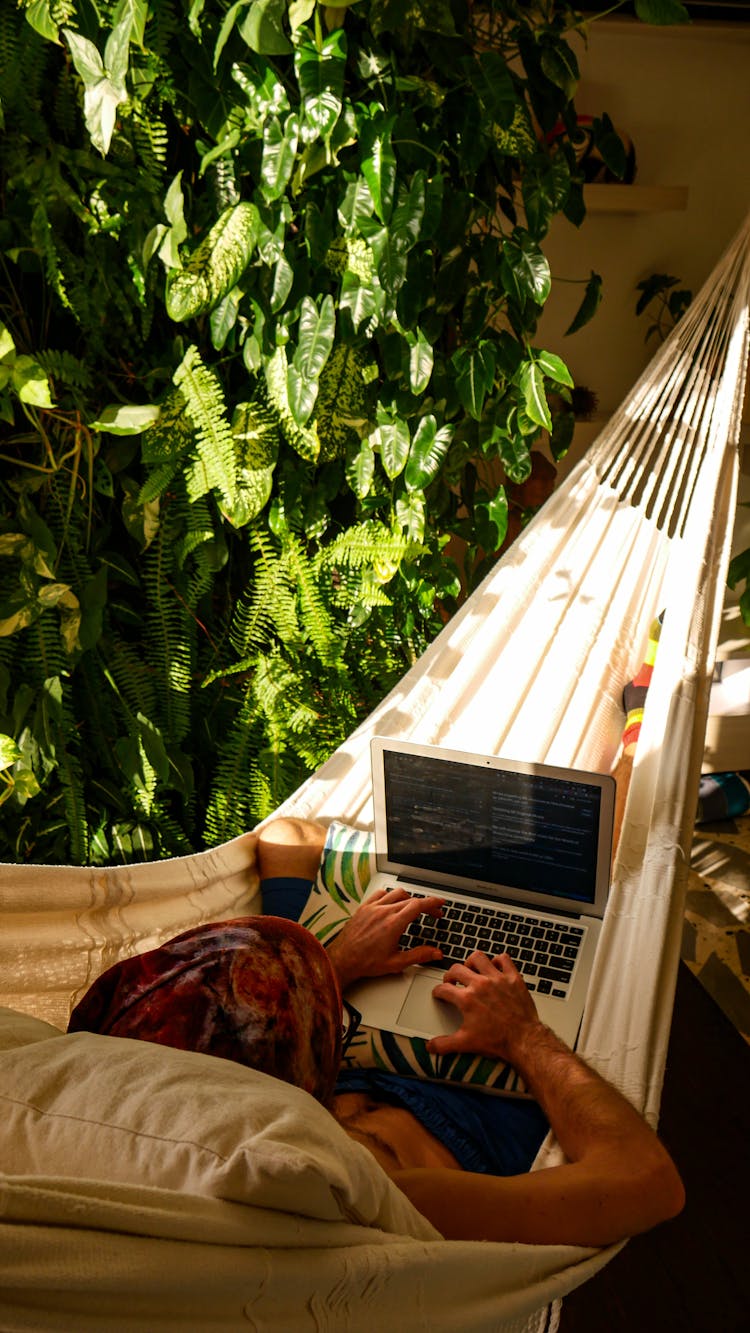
point(635, 198)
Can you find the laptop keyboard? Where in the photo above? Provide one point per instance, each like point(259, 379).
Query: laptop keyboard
point(544, 951)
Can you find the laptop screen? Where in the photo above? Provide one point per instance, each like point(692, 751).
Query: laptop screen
point(518, 830)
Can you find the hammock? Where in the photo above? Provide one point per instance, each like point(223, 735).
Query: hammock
point(531, 667)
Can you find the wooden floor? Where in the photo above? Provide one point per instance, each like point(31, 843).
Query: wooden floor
point(691, 1275)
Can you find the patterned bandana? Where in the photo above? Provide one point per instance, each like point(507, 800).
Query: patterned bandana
point(259, 990)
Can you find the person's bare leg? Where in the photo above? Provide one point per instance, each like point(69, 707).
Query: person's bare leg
point(290, 848)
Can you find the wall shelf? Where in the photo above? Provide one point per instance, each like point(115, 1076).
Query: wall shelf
point(635, 198)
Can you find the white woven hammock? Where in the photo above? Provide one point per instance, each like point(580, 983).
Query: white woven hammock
point(531, 667)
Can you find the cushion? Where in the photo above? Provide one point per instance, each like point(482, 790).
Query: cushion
point(21, 1030)
point(346, 867)
point(113, 1109)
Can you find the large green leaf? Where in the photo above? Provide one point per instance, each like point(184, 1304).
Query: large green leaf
point(390, 261)
point(421, 361)
point(535, 399)
point(320, 74)
point(528, 267)
point(410, 515)
point(360, 469)
point(302, 393)
point(263, 29)
point(359, 298)
point(494, 85)
point(428, 449)
point(279, 154)
point(589, 305)
point(553, 367)
point(217, 264)
point(475, 374)
point(126, 418)
point(378, 161)
point(406, 221)
point(317, 330)
point(393, 440)
point(561, 67)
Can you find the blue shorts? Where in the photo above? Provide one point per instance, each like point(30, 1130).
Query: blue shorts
point(495, 1135)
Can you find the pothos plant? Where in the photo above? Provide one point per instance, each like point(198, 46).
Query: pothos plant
point(271, 276)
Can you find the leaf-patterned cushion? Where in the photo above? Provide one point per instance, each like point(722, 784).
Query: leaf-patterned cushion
point(346, 867)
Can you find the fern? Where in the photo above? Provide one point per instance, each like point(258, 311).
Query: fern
point(267, 606)
point(56, 722)
point(66, 101)
point(65, 368)
point(315, 618)
point(170, 630)
point(234, 792)
point(130, 675)
point(151, 140)
point(213, 467)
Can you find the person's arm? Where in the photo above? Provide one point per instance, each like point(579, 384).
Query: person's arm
point(619, 1179)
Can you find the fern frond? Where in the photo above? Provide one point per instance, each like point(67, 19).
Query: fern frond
point(213, 467)
point(56, 722)
point(170, 630)
point(158, 483)
point(151, 140)
point(131, 675)
point(364, 544)
point(42, 236)
point(66, 100)
point(65, 368)
point(234, 791)
point(267, 606)
point(315, 619)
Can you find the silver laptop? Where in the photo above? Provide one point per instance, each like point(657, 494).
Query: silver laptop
point(521, 854)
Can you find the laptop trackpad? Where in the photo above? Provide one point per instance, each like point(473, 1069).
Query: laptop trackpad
point(423, 1014)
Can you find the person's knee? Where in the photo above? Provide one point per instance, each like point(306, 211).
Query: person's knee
point(290, 847)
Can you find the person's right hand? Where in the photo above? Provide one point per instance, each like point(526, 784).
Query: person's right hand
point(495, 1004)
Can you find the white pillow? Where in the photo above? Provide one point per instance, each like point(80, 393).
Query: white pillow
point(113, 1109)
point(21, 1029)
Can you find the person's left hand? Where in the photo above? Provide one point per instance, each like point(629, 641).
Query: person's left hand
point(368, 945)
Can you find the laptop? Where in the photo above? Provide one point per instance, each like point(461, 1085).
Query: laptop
point(521, 854)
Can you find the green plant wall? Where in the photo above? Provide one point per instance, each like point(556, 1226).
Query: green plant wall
point(270, 275)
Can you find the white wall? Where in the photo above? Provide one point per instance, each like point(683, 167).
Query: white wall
point(683, 96)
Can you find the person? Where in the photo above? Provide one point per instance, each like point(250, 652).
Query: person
point(263, 991)
point(618, 1178)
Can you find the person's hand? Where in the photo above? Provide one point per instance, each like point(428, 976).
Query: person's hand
point(495, 1004)
point(368, 945)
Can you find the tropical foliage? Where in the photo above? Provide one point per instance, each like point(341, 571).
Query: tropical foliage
point(270, 275)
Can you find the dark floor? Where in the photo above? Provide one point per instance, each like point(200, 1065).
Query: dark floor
point(691, 1275)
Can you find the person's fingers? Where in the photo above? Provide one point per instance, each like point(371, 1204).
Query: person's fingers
point(423, 953)
point(453, 994)
point(448, 1043)
point(394, 894)
point(504, 963)
point(480, 962)
point(411, 908)
point(459, 974)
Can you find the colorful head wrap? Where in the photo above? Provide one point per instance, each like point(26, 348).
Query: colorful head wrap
point(259, 990)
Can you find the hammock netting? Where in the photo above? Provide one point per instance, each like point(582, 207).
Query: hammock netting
point(531, 667)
